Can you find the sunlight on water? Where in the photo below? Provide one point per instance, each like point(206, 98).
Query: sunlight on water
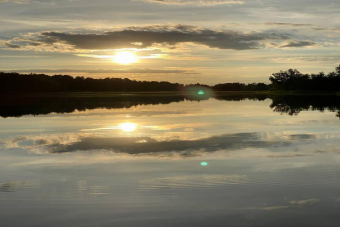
point(128, 127)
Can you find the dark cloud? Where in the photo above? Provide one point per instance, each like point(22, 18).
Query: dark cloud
point(302, 137)
point(142, 37)
point(12, 46)
point(320, 29)
point(196, 2)
point(145, 37)
point(326, 29)
point(299, 44)
point(288, 24)
point(289, 155)
point(147, 145)
point(282, 24)
point(40, 142)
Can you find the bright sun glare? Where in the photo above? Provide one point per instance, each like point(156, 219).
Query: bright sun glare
point(128, 127)
point(125, 57)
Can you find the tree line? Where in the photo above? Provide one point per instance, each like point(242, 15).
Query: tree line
point(41, 83)
point(288, 80)
point(292, 79)
point(37, 83)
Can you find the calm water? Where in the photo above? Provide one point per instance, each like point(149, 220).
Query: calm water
point(169, 161)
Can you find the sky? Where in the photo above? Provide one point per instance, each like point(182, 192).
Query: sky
point(184, 41)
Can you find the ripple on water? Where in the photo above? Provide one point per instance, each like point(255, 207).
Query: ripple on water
point(187, 182)
point(290, 178)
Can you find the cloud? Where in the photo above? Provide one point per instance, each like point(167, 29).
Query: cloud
point(299, 44)
point(112, 71)
point(29, 1)
point(306, 59)
point(299, 137)
point(282, 24)
point(287, 24)
point(12, 46)
point(143, 37)
point(196, 2)
point(161, 37)
point(289, 155)
point(127, 38)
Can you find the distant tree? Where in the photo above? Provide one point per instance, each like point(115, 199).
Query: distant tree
point(241, 87)
point(294, 80)
point(337, 70)
point(291, 79)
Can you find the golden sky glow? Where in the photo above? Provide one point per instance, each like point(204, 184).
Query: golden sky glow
point(185, 41)
point(125, 57)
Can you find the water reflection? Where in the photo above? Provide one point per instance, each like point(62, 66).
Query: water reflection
point(228, 160)
point(128, 127)
point(151, 146)
point(20, 106)
point(291, 105)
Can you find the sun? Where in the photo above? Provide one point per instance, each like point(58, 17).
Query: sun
point(125, 57)
point(128, 127)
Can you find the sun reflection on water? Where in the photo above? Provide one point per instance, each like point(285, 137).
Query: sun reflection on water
point(128, 127)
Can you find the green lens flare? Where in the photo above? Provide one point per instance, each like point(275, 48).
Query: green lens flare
point(204, 163)
point(201, 92)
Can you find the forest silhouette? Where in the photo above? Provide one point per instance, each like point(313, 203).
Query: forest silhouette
point(292, 79)
point(41, 83)
point(288, 80)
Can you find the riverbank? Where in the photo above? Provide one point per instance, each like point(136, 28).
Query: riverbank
point(120, 94)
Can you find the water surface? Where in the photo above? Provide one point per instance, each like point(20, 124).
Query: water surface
point(170, 161)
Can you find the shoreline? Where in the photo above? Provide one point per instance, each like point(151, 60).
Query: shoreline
point(165, 93)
